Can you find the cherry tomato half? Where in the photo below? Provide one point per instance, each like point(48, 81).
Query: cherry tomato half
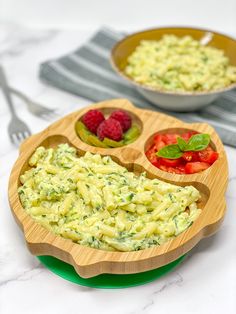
point(194, 167)
point(170, 162)
point(170, 138)
point(190, 156)
point(190, 162)
point(208, 155)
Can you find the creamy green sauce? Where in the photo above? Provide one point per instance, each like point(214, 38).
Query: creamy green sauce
point(180, 64)
point(95, 202)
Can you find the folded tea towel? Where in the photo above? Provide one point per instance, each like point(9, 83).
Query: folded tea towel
point(87, 72)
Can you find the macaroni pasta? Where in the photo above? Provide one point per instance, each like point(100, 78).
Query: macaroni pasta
point(180, 64)
point(94, 201)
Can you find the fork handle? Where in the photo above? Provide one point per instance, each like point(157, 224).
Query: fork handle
point(6, 93)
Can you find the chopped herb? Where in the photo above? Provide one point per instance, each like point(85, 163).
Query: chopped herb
point(130, 197)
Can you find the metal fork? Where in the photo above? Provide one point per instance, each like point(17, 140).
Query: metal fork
point(35, 108)
point(17, 129)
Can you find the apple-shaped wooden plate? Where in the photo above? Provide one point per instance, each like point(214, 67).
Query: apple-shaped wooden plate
point(89, 262)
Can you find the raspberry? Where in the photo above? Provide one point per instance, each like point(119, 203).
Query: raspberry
point(110, 128)
point(123, 118)
point(92, 119)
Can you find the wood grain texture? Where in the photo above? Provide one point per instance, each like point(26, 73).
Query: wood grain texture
point(89, 262)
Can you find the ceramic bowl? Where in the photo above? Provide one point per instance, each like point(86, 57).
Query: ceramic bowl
point(181, 100)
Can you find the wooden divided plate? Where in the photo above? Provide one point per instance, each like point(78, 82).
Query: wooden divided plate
point(89, 262)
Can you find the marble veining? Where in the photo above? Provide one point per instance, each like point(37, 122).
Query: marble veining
point(174, 281)
point(14, 41)
point(203, 283)
point(26, 275)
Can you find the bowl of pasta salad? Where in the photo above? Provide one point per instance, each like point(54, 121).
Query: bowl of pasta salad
point(109, 210)
point(180, 69)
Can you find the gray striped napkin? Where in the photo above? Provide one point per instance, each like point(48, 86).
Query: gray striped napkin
point(87, 72)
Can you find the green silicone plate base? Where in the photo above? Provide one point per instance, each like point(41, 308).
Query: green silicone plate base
point(106, 281)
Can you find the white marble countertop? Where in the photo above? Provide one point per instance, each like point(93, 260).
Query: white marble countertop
point(204, 283)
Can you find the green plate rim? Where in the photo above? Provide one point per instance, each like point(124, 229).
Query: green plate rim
point(106, 281)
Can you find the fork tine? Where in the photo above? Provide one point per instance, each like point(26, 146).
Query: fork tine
point(26, 134)
point(14, 139)
point(58, 112)
point(55, 111)
point(45, 116)
point(20, 137)
point(49, 116)
point(54, 114)
point(44, 112)
point(50, 110)
point(33, 106)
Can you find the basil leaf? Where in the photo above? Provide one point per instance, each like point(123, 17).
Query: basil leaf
point(182, 143)
point(170, 152)
point(198, 142)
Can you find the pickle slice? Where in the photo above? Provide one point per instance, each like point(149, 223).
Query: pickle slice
point(127, 142)
point(112, 143)
point(91, 139)
point(83, 132)
point(79, 125)
point(131, 134)
point(94, 140)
